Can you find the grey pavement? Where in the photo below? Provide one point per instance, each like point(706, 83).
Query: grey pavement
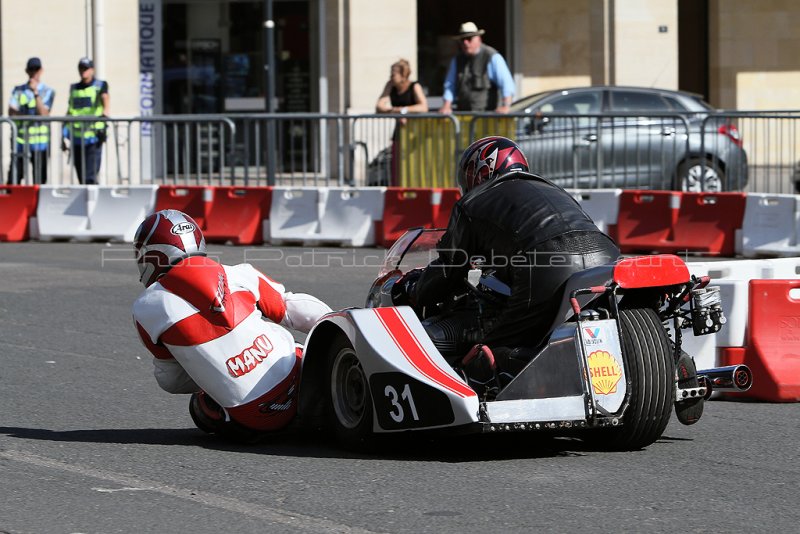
point(90, 444)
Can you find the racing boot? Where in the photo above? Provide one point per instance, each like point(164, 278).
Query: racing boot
point(211, 418)
point(688, 411)
point(207, 415)
point(480, 371)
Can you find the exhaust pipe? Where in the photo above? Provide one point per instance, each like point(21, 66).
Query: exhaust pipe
point(733, 378)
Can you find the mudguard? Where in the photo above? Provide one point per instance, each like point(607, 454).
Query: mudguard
point(412, 385)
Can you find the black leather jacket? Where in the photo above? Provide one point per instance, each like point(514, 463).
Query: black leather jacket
point(533, 234)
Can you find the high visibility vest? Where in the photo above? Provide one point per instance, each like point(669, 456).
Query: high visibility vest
point(85, 102)
point(35, 134)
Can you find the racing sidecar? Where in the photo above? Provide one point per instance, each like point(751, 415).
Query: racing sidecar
point(605, 372)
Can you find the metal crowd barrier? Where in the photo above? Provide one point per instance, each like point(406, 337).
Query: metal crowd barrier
point(361, 150)
point(748, 151)
point(771, 140)
point(177, 149)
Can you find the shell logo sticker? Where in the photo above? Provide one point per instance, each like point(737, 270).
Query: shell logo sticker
point(605, 372)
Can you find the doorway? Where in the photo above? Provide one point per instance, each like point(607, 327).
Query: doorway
point(693, 46)
point(438, 21)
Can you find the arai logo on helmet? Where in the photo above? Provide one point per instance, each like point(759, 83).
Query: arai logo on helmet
point(182, 228)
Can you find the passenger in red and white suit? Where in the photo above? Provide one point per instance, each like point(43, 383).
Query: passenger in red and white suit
point(219, 332)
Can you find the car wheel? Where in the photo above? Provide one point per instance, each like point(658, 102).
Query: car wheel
point(694, 172)
point(349, 399)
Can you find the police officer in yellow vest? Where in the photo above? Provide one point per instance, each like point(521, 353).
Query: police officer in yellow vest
point(87, 98)
point(33, 138)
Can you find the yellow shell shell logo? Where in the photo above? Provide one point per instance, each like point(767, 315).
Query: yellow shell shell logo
point(605, 372)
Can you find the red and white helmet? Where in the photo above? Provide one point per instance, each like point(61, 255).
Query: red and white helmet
point(162, 240)
point(486, 159)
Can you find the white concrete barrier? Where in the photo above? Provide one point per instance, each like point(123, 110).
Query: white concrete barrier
point(602, 205)
point(92, 212)
point(733, 278)
point(293, 215)
point(312, 216)
point(118, 211)
point(348, 215)
point(771, 225)
point(63, 212)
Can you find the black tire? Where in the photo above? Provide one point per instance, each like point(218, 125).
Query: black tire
point(650, 368)
point(349, 401)
point(691, 171)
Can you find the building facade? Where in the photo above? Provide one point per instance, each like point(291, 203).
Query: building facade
point(208, 56)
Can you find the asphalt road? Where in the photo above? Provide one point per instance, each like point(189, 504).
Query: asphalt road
point(90, 444)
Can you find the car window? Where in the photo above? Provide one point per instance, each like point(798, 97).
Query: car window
point(675, 104)
point(633, 101)
point(528, 101)
point(575, 104)
point(702, 103)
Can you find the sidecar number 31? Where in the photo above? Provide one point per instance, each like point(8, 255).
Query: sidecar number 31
point(403, 402)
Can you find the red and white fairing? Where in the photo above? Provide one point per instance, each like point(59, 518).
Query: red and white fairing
point(412, 385)
point(205, 325)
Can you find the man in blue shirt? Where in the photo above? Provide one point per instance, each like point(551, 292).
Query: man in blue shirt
point(476, 75)
point(33, 138)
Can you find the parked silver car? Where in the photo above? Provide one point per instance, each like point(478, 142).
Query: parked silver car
point(632, 137)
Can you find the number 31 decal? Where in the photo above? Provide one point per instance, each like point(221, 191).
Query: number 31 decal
point(398, 414)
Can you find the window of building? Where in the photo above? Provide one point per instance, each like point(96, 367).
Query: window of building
point(214, 56)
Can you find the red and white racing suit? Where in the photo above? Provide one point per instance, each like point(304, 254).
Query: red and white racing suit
point(220, 329)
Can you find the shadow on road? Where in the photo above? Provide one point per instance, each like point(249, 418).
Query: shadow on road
point(471, 448)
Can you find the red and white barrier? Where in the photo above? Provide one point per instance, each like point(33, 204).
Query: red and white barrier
point(757, 225)
point(17, 208)
point(190, 199)
point(408, 208)
point(707, 223)
point(772, 348)
point(236, 214)
point(674, 222)
point(733, 278)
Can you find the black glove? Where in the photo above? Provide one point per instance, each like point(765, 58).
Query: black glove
point(101, 135)
point(402, 288)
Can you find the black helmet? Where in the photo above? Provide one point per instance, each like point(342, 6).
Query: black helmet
point(486, 159)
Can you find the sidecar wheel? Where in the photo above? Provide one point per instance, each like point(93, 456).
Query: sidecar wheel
point(349, 399)
point(650, 367)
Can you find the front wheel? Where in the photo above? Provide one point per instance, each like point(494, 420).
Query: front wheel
point(650, 370)
point(701, 174)
point(349, 399)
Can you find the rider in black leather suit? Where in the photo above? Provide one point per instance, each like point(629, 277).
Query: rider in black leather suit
point(531, 232)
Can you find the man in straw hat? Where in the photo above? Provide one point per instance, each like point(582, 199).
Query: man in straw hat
point(476, 75)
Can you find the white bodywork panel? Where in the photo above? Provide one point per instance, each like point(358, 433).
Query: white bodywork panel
point(391, 342)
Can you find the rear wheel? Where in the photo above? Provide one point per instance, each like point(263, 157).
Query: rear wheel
point(349, 399)
point(650, 369)
point(701, 174)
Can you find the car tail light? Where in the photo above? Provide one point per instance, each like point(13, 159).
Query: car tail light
point(732, 132)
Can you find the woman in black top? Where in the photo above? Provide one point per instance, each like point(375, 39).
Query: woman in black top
point(401, 95)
